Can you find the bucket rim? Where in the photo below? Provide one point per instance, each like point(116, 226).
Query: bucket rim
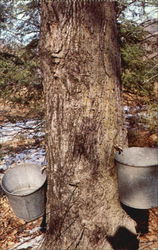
point(146, 166)
point(22, 195)
point(129, 205)
point(133, 165)
point(35, 190)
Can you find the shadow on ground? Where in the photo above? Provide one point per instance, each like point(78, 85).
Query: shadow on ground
point(123, 239)
point(140, 216)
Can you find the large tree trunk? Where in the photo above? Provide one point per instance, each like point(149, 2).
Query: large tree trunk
point(81, 70)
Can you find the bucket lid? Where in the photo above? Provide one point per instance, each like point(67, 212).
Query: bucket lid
point(138, 157)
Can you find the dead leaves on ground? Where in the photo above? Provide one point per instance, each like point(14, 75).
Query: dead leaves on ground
point(149, 241)
point(12, 229)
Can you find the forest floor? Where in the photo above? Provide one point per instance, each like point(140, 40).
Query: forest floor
point(14, 232)
point(12, 112)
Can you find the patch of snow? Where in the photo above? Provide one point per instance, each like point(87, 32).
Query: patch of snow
point(128, 115)
point(36, 156)
point(28, 129)
point(31, 231)
point(126, 108)
point(26, 242)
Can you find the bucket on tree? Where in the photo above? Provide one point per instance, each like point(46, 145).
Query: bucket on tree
point(25, 189)
point(138, 177)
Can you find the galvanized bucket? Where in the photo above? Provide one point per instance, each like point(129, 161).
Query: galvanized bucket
point(138, 177)
point(25, 189)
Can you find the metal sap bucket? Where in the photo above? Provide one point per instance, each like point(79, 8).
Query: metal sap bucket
point(25, 189)
point(138, 177)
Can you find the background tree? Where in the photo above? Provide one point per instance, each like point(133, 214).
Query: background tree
point(137, 22)
point(20, 21)
point(139, 57)
point(81, 77)
point(20, 80)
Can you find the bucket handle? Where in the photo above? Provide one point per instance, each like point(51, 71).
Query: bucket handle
point(43, 169)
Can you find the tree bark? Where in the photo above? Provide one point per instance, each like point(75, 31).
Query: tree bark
point(81, 77)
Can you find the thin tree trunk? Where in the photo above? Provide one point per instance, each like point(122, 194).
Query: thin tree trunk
point(81, 70)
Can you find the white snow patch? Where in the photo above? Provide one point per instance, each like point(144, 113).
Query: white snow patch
point(35, 156)
point(28, 129)
point(28, 242)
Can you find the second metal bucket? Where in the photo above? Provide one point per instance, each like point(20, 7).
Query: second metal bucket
point(138, 177)
point(25, 189)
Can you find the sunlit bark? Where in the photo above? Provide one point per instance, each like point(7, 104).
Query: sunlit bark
point(81, 70)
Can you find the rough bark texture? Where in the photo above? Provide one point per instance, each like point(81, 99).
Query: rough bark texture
point(81, 70)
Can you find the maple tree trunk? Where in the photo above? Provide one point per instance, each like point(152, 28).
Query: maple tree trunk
point(81, 76)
